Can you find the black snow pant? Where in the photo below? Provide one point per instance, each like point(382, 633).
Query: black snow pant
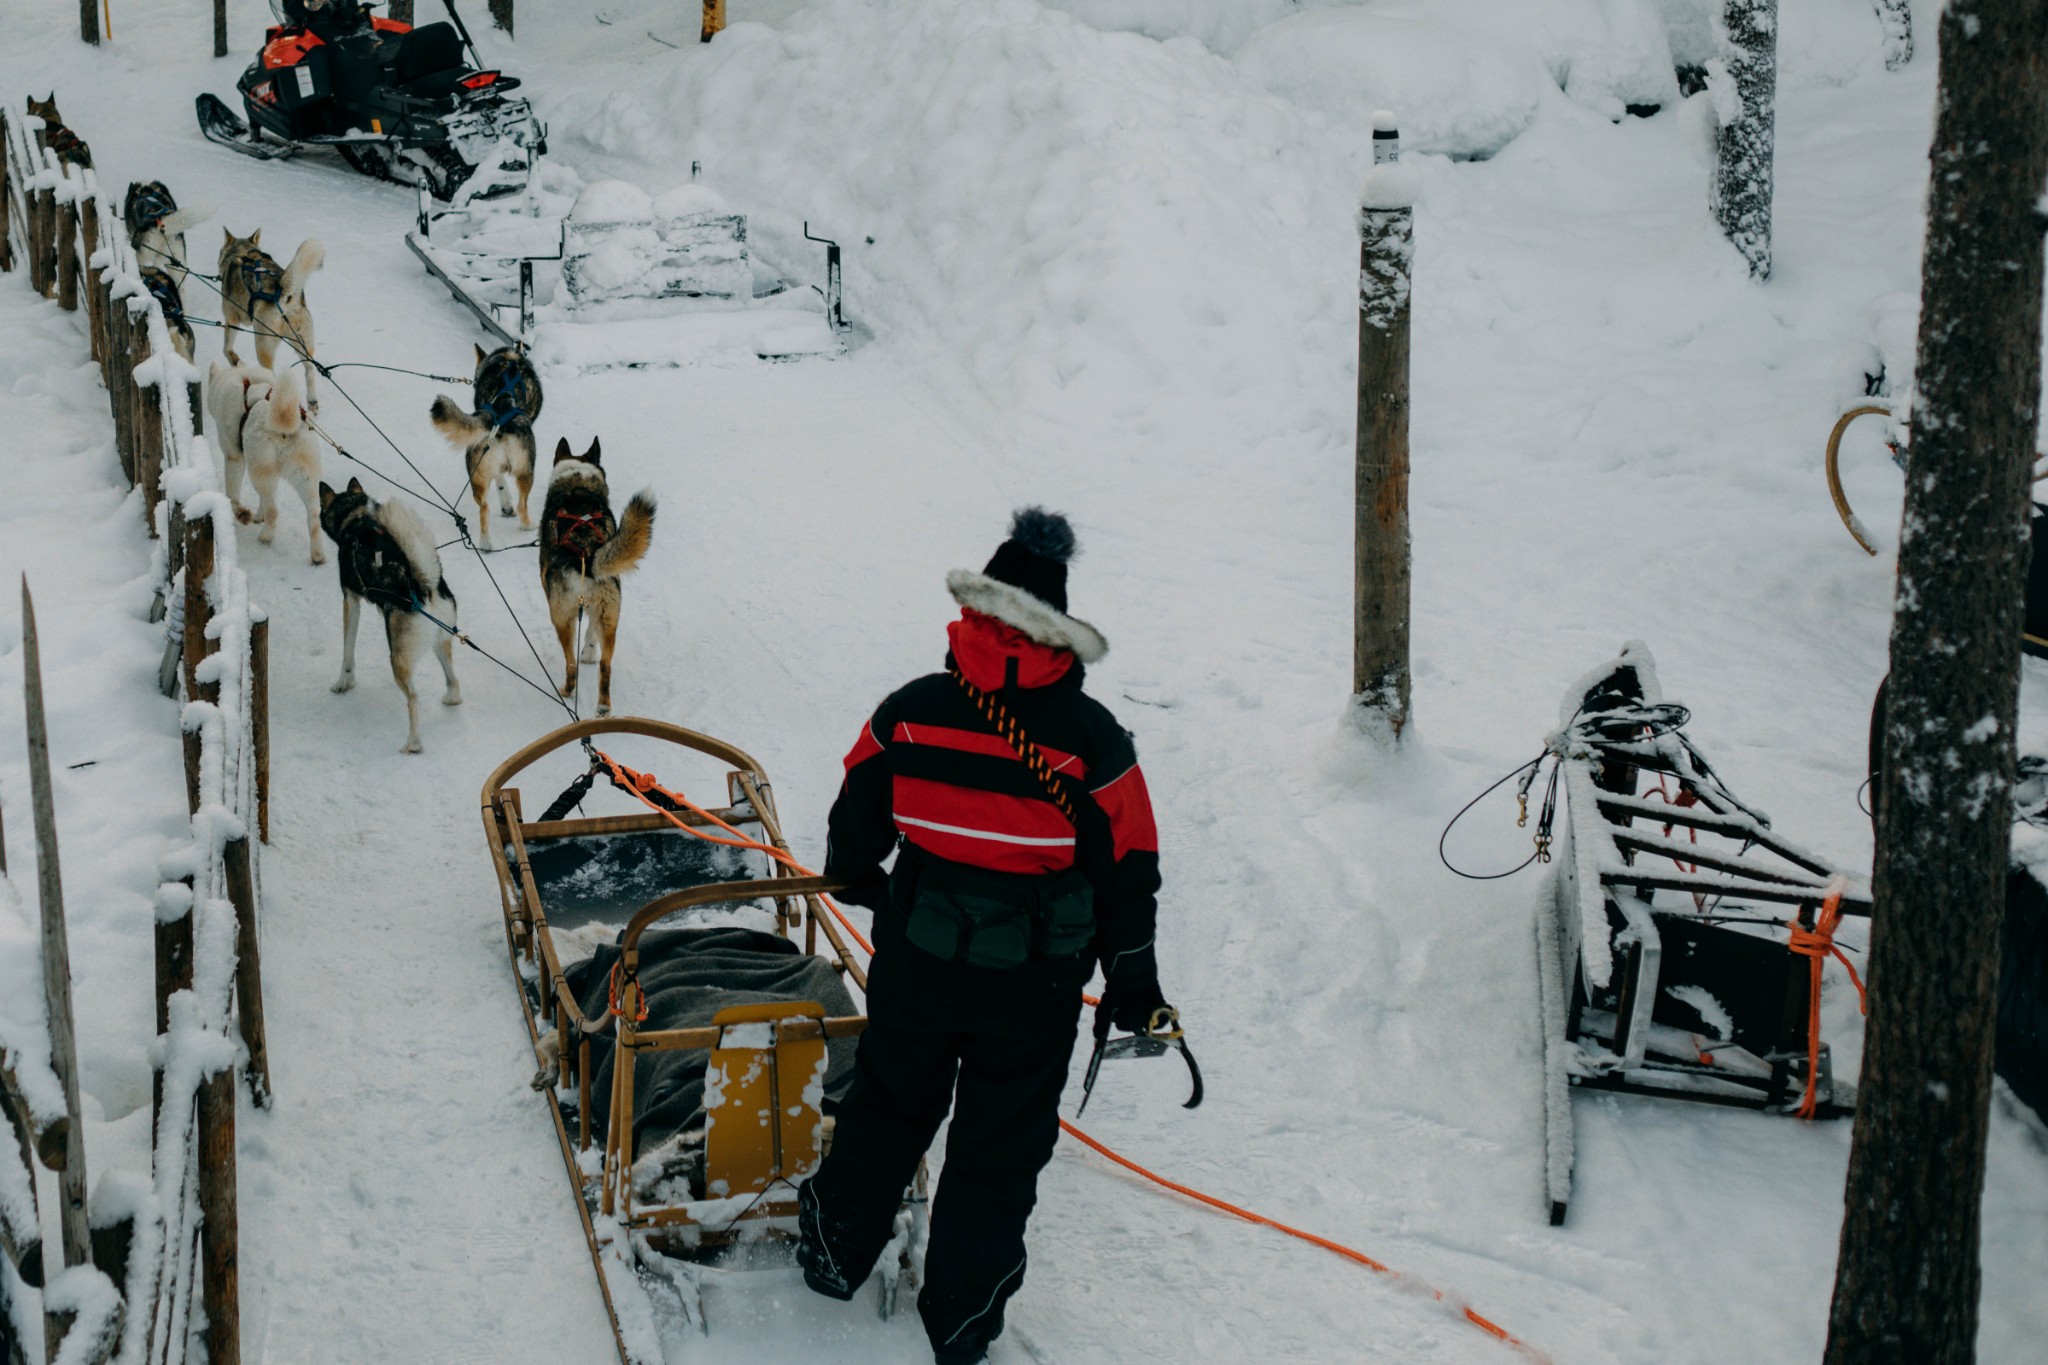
point(995, 1046)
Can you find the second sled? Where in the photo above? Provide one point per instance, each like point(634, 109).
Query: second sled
point(675, 938)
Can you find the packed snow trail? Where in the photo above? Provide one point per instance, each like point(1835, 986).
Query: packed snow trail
point(1114, 275)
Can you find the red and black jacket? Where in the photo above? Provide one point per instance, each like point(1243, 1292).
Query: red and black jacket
point(931, 778)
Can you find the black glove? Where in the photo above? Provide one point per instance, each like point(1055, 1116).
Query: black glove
point(1128, 1007)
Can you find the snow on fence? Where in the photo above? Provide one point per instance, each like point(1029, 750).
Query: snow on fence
point(158, 1242)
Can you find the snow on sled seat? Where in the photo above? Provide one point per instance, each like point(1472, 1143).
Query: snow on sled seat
point(1678, 931)
point(670, 935)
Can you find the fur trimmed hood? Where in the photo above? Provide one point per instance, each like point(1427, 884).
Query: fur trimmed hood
point(1020, 610)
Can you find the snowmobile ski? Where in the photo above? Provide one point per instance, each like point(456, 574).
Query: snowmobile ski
point(220, 125)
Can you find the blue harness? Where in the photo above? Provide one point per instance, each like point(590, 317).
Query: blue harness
point(264, 279)
point(149, 208)
point(165, 292)
point(504, 405)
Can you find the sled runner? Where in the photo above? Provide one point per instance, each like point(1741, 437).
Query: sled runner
point(673, 939)
point(1680, 937)
point(398, 102)
point(613, 278)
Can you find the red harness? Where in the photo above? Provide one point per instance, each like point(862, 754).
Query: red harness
point(584, 527)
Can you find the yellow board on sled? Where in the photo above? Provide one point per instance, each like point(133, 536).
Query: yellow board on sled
point(762, 1122)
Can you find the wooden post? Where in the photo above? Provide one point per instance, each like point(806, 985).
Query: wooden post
point(42, 241)
point(173, 974)
point(67, 247)
point(219, 1269)
point(259, 716)
point(1380, 581)
point(89, 21)
point(714, 20)
point(148, 428)
point(1741, 197)
point(501, 15)
point(6, 193)
point(56, 946)
point(198, 568)
point(248, 969)
point(220, 28)
point(95, 304)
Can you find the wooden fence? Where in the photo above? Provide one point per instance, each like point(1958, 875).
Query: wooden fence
point(160, 1278)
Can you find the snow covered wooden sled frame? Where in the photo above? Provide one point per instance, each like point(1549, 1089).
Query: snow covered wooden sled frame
point(771, 1055)
point(1704, 995)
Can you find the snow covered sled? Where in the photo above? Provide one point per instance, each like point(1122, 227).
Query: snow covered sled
point(613, 278)
point(670, 937)
point(1663, 966)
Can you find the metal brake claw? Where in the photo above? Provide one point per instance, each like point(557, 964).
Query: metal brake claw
point(1162, 1031)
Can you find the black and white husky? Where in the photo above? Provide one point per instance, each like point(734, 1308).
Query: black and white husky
point(157, 227)
point(496, 439)
point(388, 560)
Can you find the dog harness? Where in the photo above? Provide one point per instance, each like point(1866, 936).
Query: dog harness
point(589, 523)
point(149, 208)
point(263, 278)
point(504, 405)
point(165, 291)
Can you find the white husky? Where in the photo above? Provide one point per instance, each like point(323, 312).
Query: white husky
point(259, 423)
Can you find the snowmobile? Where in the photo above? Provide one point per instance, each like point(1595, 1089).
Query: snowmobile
point(398, 102)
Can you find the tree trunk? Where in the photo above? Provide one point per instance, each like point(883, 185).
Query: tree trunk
point(501, 14)
point(89, 21)
point(1746, 100)
point(220, 28)
point(1907, 1280)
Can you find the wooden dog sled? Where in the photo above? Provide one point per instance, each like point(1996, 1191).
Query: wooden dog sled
point(724, 1195)
point(1680, 937)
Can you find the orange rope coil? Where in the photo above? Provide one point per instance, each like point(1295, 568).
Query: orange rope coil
point(1816, 945)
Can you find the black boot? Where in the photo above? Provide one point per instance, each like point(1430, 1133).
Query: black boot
point(814, 1250)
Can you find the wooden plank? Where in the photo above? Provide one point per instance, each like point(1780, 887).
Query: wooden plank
point(536, 830)
point(77, 1235)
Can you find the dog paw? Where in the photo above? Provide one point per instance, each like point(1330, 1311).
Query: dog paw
point(345, 683)
point(604, 708)
point(589, 654)
point(244, 515)
point(525, 522)
point(266, 535)
point(452, 697)
point(319, 556)
point(567, 689)
point(411, 746)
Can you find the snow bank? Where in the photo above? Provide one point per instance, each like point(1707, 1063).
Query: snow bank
point(1454, 93)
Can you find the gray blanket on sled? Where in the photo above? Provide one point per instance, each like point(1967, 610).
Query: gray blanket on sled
point(689, 976)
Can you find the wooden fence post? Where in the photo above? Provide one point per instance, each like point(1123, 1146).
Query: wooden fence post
point(219, 1270)
point(148, 434)
point(714, 20)
point(259, 718)
point(220, 28)
point(67, 244)
point(1380, 581)
point(173, 974)
point(89, 21)
point(6, 193)
point(198, 568)
point(248, 970)
point(43, 241)
point(77, 1234)
point(1741, 197)
point(95, 304)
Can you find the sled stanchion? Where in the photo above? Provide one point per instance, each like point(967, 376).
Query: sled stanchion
point(259, 719)
point(1833, 465)
point(198, 568)
point(1381, 552)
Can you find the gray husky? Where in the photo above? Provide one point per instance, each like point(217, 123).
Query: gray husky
point(388, 560)
point(496, 439)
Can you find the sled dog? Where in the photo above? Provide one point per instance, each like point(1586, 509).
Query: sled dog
point(56, 135)
point(583, 550)
point(259, 423)
point(497, 438)
point(388, 560)
point(269, 300)
point(157, 227)
point(164, 290)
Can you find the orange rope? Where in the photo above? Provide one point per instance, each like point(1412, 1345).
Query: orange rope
point(1814, 945)
point(643, 783)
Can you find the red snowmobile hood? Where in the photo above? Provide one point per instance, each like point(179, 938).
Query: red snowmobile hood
point(984, 646)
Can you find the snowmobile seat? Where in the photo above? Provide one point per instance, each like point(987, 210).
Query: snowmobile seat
point(428, 51)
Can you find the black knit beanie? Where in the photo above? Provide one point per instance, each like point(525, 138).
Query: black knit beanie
point(1035, 556)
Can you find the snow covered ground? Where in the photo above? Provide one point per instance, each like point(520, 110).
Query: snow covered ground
point(1104, 249)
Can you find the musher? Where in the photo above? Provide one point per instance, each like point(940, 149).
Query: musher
point(1026, 853)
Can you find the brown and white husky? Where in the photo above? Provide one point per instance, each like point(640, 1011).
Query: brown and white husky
point(583, 550)
point(270, 300)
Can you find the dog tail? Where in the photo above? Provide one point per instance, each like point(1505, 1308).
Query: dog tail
point(423, 561)
point(184, 220)
point(308, 258)
point(463, 429)
point(636, 532)
point(287, 399)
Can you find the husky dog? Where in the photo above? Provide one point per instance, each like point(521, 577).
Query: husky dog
point(583, 550)
point(497, 438)
point(270, 301)
point(164, 290)
point(388, 560)
point(157, 227)
point(259, 423)
point(56, 135)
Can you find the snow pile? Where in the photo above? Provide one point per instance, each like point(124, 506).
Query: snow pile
point(621, 243)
